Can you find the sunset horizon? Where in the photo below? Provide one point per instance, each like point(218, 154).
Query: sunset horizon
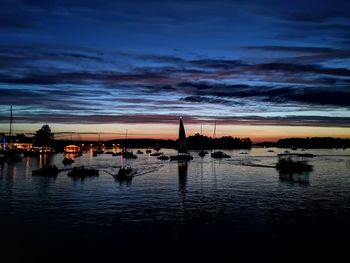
point(103, 132)
point(217, 130)
point(250, 68)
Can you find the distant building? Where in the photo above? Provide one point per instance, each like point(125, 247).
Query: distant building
point(72, 149)
point(2, 142)
point(21, 145)
point(43, 149)
point(5, 144)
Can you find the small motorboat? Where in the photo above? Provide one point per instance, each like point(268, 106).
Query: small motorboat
point(97, 151)
point(139, 152)
point(294, 163)
point(157, 154)
point(129, 155)
point(202, 153)
point(163, 157)
point(291, 166)
point(219, 155)
point(67, 161)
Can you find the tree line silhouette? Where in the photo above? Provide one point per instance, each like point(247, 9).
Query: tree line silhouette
point(194, 142)
point(45, 137)
point(315, 142)
point(308, 143)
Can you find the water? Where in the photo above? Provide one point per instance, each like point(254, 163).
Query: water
point(206, 204)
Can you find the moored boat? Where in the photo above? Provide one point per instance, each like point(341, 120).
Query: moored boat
point(157, 154)
point(183, 154)
point(294, 163)
point(202, 153)
point(291, 166)
point(124, 174)
point(129, 155)
point(149, 150)
point(67, 161)
point(219, 155)
point(163, 157)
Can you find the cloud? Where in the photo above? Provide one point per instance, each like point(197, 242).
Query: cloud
point(313, 121)
point(63, 65)
point(210, 100)
point(15, 23)
point(171, 86)
point(293, 49)
point(63, 99)
point(216, 63)
point(305, 95)
point(86, 77)
point(299, 68)
point(321, 16)
point(304, 54)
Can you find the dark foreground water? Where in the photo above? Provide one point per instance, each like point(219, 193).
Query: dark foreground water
point(230, 208)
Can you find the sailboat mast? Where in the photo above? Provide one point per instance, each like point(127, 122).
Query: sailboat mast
point(201, 129)
point(126, 134)
point(214, 135)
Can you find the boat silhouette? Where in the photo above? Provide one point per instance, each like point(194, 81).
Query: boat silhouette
point(219, 155)
point(182, 154)
point(67, 161)
point(124, 174)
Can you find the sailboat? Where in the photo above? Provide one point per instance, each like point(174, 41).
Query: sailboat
point(9, 153)
point(125, 152)
point(125, 172)
point(218, 154)
point(99, 148)
point(182, 155)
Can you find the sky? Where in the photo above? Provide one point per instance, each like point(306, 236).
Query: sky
point(259, 69)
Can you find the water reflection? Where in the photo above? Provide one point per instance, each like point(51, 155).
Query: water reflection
point(82, 179)
point(213, 171)
point(182, 170)
point(347, 164)
point(127, 181)
point(43, 160)
point(201, 173)
point(72, 156)
point(301, 178)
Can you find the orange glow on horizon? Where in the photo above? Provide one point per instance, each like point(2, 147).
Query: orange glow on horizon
point(170, 131)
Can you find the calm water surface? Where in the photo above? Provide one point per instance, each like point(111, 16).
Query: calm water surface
point(211, 203)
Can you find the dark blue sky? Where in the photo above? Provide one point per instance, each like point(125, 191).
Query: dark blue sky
point(261, 63)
